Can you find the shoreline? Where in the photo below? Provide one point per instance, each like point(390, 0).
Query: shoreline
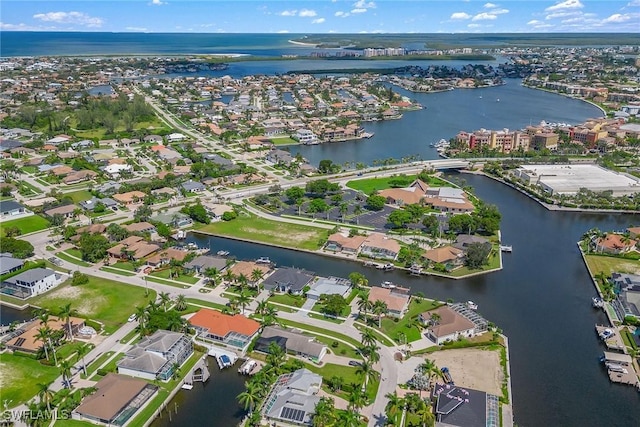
point(602, 110)
point(297, 43)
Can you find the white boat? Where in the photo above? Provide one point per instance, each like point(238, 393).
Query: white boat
point(247, 367)
point(472, 305)
point(263, 260)
point(506, 248)
point(187, 386)
point(388, 285)
point(415, 269)
point(597, 302)
point(498, 100)
point(386, 267)
point(222, 253)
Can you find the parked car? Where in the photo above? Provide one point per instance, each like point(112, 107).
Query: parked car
point(131, 318)
point(354, 363)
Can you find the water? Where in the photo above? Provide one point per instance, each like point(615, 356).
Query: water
point(446, 114)
point(541, 299)
point(8, 315)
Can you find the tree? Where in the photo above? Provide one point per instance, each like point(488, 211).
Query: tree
point(65, 313)
point(256, 275)
point(368, 337)
point(43, 335)
point(380, 308)
point(323, 415)
point(213, 274)
point(318, 205)
point(79, 278)
point(395, 407)
point(294, 193)
point(181, 303)
point(250, 396)
point(376, 202)
point(143, 213)
point(400, 218)
point(431, 223)
point(116, 232)
point(65, 371)
point(358, 279)
point(243, 300)
point(334, 305)
point(81, 352)
point(142, 316)
point(477, 255)
point(16, 247)
point(163, 230)
point(57, 220)
point(357, 400)
point(45, 394)
point(93, 247)
point(462, 224)
point(164, 300)
point(276, 356)
point(366, 370)
point(197, 213)
point(357, 210)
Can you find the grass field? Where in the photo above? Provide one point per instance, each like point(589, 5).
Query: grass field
point(166, 282)
point(79, 196)
point(117, 271)
point(609, 264)
point(263, 230)
point(370, 185)
point(287, 299)
point(19, 376)
point(196, 303)
point(65, 256)
point(107, 301)
point(164, 274)
point(27, 224)
point(284, 141)
point(329, 332)
point(393, 329)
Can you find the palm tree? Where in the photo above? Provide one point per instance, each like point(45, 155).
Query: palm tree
point(66, 312)
point(142, 316)
point(380, 308)
point(43, 335)
point(44, 318)
point(262, 307)
point(394, 407)
point(336, 382)
point(323, 414)
point(434, 318)
point(242, 280)
point(366, 370)
point(250, 396)
point(368, 337)
point(256, 275)
point(357, 400)
point(348, 419)
point(365, 305)
point(357, 210)
point(175, 371)
point(213, 274)
point(229, 276)
point(372, 353)
point(81, 352)
point(65, 371)
point(344, 208)
point(164, 300)
point(181, 302)
point(243, 300)
point(45, 394)
point(276, 356)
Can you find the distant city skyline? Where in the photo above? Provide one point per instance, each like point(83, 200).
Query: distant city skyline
point(328, 16)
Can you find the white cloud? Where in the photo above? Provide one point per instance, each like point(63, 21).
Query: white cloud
point(619, 18)
point(484, 16)
point(555, 15)
point(534, 22)
point(633, 3)
point(318, 21)
point(567, 4)
point(490, 5)
point(361, 10)
point(460, 15)
point(288, 13)
point(307, 13)
point(341, 14)
point(78, 18)
point(474, 25)
point(362, 4)
point(19, 27)
point(157, 3)
point(282, 31)
point(136, 29)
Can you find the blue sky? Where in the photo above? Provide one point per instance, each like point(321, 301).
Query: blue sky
point(328, 16)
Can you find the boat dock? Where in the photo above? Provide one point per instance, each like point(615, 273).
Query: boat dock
point(249, 367)
point(199, 372)
point(225, 358)
point(620, 368)
point(614, 342)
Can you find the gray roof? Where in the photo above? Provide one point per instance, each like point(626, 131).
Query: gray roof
point(108, 186)
point(330, 286)
point(464, 240)
point(30, 276)
point(295, 342)
point(218, 159)
point(203, 262)
point(9, 205)
point(192, 185)
point(91, 204)
point(465, 407)
point(145, 362)
point(293, 278)
point(161, 341)
point(8, 263)
point(8, 144)
point(293, 398)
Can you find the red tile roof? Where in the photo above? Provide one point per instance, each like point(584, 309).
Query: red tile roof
point(222, 324)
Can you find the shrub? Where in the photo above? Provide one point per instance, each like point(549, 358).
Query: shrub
point(95, 325)
point(79, 278)
point(334, 344)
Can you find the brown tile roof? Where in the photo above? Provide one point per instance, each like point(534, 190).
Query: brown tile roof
point(443, 254)
point(406, 196)
point(347, 242)
point(61, 170)
point(614, 241)
point(138, 226)
point(114, 392)
point(27, 340)
point(439, 203)
point(129, 197)
point(63, 210)
point(394, 301)
point(449, 322)
point(169, 253)
point(246, 267)
point(222, 324)
point(377, 240)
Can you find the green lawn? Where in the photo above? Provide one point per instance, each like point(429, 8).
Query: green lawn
point(68, 349)
point(164, 274)
point(262, 230)
point(93, 366)
point(195, 303)
point(26, 225)
point(166, 282)
point(393, 329)
point(494, 263)
point(610, 264)
point(370, 185)
point(341, 349)
point(79, 196)
point(376, 333)
point(284, 141)
point(20, 376)
point(329, 332)
point(63, 255)
point(107, 301)
point(287, 299)
point(123, 266)
point(73, 423)
point(74, 252)
point(117, 271)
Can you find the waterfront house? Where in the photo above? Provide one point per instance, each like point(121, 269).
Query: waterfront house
point(175, 219)
point(24, 339)
point(140, 227)
point(9, 264)
point(615, 244)
point(627, 289)
point(236, 331)
point(396, 299)
point(117, 399)
point(379, 246)
point(293, 398)
point(329, 286)
point(156, 356)
point(164, 257)
point(634, 232)
point(203, 262)
point(447, 255)
point(406, 196)
point(449, 326)
point(338, 242)
point(291, 342)
point(133, 247)
point(247, 268)
point(464, 407)
point(287, 279)
point(31, 282)
point(464, 240)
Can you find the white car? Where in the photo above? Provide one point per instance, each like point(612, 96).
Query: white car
point(131, 318)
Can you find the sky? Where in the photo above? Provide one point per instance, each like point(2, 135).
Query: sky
point(327, 16)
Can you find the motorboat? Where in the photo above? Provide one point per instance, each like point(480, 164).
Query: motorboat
point(472, 305)
point(506, 248)
point(388, 285)
point(263, 260)
point(606, 334)
point(597, 302)
point(222, 253)
point(386, 267)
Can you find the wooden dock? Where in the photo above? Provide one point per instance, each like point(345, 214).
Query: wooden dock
point(613, 343)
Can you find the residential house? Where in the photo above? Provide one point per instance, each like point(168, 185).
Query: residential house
point(615, 244)
point(9, 264)
point(193, 187)
point(634, 232)
point(406, 196)
point(329, 286)
point(140, 227)
point(117, 399)
point(175, 219)
point(79, 176)
point(31, 282)
point(627, 289)
point(449, 326)
point(293, 398)
point(235, 331)
point(89, 205)
point(175, 137)
point(465, 407)
point(202, 262)
point(464, 240)
point(66, 211)
point(133, 247)
point(24, 339)
point(396, 299)
point(11, 208)
point(164, 256)
point(247, 268)
point(217, 159)
point(216, 210)
point(130, 198)
point(448, 199)
point(291, 342)
point(339, 242)
point(379, 246)
point(156, 356)
point(447, 255)
point(288, 279)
